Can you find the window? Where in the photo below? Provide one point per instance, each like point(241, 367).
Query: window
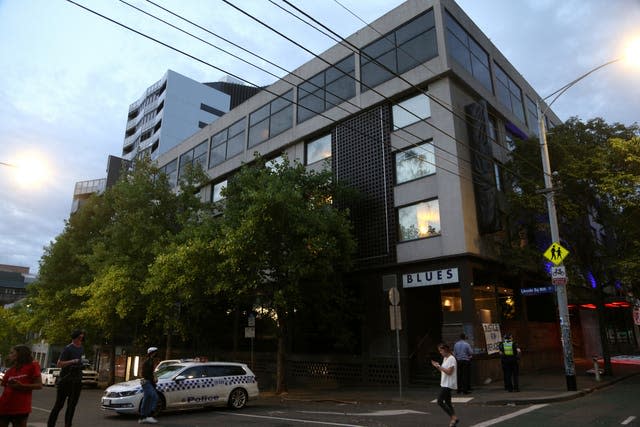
point(271, 119)
point(467, 52)
point(399, 51)
point(216, 193)
point(410, 111)
point(419, 221)
point(415, 163)
point(227, 143)
point(509, 93)
point(532, 115)
point(195, 156)
point(171, 170)
point(318, 149)
point(327, 89)
point(274, 163)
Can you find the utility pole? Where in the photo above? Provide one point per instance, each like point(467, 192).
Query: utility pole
point(561, 290)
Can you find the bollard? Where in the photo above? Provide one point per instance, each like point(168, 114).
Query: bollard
point(596, 368)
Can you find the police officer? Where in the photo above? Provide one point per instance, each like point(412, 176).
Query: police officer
point(510, 355)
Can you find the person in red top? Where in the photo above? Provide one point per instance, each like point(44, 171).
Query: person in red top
point(18, 382)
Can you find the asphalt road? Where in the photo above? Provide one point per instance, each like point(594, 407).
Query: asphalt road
point(613, 406)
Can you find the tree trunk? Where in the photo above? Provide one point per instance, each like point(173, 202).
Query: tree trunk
point(606, 354)
point(281, 358)
point(169, 350)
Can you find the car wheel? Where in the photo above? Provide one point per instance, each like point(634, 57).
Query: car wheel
point(238, 398)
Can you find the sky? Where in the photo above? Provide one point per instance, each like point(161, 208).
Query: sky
point(67, 77)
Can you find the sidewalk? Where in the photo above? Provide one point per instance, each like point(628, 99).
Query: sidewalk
point(535, 388)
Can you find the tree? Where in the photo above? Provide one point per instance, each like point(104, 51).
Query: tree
point(597, 189)
point(281, 241)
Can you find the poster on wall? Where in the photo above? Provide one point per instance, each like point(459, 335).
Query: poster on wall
point(492, 336)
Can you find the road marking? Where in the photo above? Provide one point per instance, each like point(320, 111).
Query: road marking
point(41, 409)
point(456, 400)
point(389, 413)
point(628, 420)
point(509, 416)
point(296, 420)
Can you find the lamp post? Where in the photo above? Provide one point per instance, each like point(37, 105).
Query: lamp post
point(561, 290)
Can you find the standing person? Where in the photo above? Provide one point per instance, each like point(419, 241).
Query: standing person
point(18, 382)
point(70, 379)
point(150, 398)
point(510, 355)
point(463, 353)
point(448, 381)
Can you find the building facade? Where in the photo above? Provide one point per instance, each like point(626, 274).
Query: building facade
point(418, 111)
point(168, 112)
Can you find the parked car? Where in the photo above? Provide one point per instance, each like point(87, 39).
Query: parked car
point(167, 362)
point(49, 376)
point(188, 385)
point(89, 377)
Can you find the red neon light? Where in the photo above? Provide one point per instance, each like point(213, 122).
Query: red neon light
point(589, 306)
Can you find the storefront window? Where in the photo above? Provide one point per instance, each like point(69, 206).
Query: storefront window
point(451, 300)
point(494, 304)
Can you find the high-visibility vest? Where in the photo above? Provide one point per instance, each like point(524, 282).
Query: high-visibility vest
point(507, 348)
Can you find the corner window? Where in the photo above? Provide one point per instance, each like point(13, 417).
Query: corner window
point(415, 163)
point(411, 111)
point(318, 149)
point(419, 221)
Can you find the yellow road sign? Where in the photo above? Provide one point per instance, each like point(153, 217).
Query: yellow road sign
point(556, 253)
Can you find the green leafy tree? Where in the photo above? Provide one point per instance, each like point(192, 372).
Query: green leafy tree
point(282, 241)
point(596, 180)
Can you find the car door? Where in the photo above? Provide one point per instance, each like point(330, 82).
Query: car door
point(184, 390)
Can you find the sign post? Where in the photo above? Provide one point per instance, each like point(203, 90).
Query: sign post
point(250, 332)
point(396, 324)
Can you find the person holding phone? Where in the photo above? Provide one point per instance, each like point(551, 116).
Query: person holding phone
point(448, 382)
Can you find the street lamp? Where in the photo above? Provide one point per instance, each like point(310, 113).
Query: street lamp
point(561, 290)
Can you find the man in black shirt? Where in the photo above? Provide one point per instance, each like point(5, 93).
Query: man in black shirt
point(70, 379)
point(150, 398)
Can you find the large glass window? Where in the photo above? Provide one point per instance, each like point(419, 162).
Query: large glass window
point(193, 157)
point(509, 93)
point(318, 149)
point(171, 170)
point(415, 163)
point(271, 119)
point(401, 50)
point(327, 89)
point(467, 52)
point(419, 221)
point(227, 143)
point(410, 111)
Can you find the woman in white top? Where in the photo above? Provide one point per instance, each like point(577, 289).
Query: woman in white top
point(448, 381)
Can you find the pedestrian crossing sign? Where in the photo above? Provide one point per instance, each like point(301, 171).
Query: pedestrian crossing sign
point(556, 253)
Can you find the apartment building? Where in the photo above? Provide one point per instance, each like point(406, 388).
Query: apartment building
point(418, 111)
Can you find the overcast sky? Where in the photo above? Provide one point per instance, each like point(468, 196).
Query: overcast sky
point(67, 77)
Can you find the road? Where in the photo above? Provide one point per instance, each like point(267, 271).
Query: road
point(613, 406)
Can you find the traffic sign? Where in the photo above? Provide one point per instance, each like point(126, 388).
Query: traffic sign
point(559, 281)
point(394, 296)
point(556, 253)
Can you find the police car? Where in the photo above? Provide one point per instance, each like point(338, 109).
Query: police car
point(188, 385)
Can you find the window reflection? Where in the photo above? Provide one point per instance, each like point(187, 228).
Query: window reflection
point(415, 162)
point(318, 149)
point(419, 221)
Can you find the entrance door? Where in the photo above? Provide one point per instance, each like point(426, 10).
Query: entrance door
point(424, 331)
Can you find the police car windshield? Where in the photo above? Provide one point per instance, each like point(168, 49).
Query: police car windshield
point(168, 371)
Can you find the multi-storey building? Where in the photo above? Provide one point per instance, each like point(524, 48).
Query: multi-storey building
point(169, 111)
point(418, 111)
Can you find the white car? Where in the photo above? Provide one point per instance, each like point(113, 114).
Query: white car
point(188, 385)
point(49, 376)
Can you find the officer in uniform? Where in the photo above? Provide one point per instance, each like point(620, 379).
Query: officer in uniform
point(510, 355)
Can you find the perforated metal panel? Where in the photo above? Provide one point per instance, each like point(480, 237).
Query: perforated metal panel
point(362, 159)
